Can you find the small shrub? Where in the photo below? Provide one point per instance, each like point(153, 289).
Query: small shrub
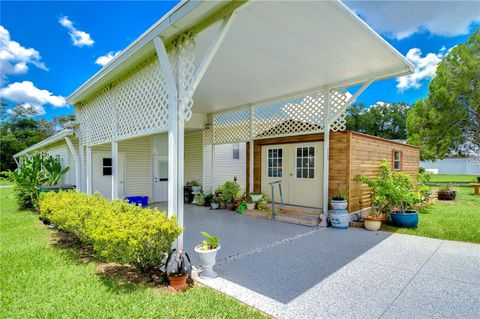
point(118, 231)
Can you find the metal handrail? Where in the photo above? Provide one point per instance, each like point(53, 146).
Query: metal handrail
point(272, 184)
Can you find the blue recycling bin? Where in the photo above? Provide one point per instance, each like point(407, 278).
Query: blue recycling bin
point(138, 200)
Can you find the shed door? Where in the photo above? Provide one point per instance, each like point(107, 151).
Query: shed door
point(299, 167)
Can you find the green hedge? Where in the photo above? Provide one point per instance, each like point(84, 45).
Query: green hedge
point(118, 231)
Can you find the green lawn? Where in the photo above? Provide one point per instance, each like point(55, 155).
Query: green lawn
point(38, 280)
point(5, 182)
point(452, 178)
point(455, 220)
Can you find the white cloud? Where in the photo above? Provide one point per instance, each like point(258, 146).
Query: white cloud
point(79, 38)
point(14, 58)
point(401, 19)
point(27, 94)
point(425, 68)
point(104, 59)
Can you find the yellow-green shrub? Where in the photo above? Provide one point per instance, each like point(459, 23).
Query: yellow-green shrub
point(118, 231)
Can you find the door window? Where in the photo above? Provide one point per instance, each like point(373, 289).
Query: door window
point(274, 162)
point(305, 162)
point(107, 166)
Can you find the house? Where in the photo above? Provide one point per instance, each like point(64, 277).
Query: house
point(454, 165)
point(224, 72)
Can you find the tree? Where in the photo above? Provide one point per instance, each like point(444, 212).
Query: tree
point(447, 121)
point(19, 130)
point(386, 120)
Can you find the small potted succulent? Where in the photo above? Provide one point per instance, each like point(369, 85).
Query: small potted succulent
point(178, 269)
point(256, 196)
point(446, 193)
point(207, 252)
point(340, 199)
point(215, 202)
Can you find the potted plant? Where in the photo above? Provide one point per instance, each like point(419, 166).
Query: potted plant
point(207, 252)
point(215, 202)
point(195, 185)
point(249, 202)
point(446, 193)
point(178, 269)
point(340, 199)
point(402, 197)
point(256, 196)
point(230, 190)
point(207, 200)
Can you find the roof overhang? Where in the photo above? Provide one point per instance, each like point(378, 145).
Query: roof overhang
point(272, 49)
point(52, 139)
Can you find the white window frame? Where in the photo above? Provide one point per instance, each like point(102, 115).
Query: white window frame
point(399, 161)
point(235, 147)
point(107, 166)
point(277, 167)
point(314, 162)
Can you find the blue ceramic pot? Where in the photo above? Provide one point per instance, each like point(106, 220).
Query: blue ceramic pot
point(407, 220)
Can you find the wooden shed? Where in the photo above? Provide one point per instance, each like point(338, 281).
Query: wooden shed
point(298, 161)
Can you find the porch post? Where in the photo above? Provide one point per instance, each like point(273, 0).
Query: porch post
point(81, 163)
point(172, 126)
point(326, 147)
point(251, 181)
point(89, 170)
point(77, 162)
point(180, 175)
point(115, 170)
point(212, 155)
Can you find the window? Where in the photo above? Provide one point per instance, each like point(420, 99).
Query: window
point(107, 166)
point(274, 162)
point(397, 160)
point(236, 151)
point(305, 162)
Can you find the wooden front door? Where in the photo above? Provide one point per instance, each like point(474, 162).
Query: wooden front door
point(300, 168)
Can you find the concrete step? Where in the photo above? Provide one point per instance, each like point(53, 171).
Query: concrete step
point(295, 210)
point(256, 213)
point(298, 219)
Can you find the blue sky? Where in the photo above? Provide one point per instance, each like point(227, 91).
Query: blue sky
point(42, 63)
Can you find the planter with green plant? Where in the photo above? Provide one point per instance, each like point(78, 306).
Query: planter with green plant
point(446, 193)
point(207, 251)
point(340, 199)
point(230, 191)
point(256, 196)
point(195, 185)
point(207, 200)
point(215, 202)
point(402, 197)
point(249, 202)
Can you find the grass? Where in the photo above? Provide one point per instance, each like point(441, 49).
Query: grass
point(452, 220)
point(452, 178)
point(40, 280)
point(5, 182)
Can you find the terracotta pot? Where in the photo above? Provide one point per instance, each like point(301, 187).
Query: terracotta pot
point(177, 283)
point(231, 206)
point(373, 224)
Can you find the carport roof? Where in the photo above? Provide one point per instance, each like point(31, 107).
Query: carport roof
point(272, 49)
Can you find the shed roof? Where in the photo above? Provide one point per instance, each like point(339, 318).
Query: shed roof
point(50, 140)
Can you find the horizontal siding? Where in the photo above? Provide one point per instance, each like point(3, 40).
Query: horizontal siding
point(193, 156)
point(226, 168)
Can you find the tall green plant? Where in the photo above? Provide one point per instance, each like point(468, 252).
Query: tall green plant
point(38, 170)
point(230, 190)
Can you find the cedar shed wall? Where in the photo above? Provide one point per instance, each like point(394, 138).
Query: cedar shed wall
point(366, 153)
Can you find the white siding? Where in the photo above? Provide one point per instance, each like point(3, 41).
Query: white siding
point(226, 168)
point(194, 156)
point(137, 175)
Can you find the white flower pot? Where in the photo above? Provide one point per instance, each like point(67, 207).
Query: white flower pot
point(208, 260)
point(250, 206)
point(215, 205)
point(256, 198)
point(339, 204)
point(196, 189)
point(373, 225)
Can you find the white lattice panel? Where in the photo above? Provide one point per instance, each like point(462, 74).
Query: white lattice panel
point(97, 118)
point(141, 100)
point(299, 115)
point(232, 127)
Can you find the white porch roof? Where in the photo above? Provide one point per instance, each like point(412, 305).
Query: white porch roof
point(272, 49)
point(50, 140)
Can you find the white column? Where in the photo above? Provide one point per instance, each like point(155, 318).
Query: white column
point(212, 174)
point(77, 162)
point(115, 170)
point(251, 179)
point(180, 176)
point(326, 146)
point(81, 154)
point(89, 170)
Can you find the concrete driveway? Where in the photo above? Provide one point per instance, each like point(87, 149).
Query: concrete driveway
point(292, 271)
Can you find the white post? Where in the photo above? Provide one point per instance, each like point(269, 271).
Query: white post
point(172, 126)
point(251, 179)
point(180, 176)
point(77, 163)
point(81, 154)
point(89, 170)
point(212, 175)
point(115, 170)
point(326, 146)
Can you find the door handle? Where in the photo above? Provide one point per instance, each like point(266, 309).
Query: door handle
point(156, 180)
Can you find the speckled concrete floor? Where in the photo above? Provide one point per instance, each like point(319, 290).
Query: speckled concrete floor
point(292, 271)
